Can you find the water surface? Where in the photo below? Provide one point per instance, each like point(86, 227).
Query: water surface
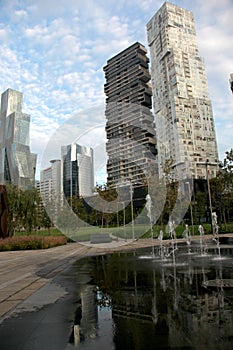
point(143, 300)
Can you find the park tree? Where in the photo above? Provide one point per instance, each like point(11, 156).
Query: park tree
point(108, 195)
point(44, 218)
point(13, 208)
point(222, 189)
point(78, 206)
point(200, 206)
point(227, 163)
point(29, 200)
point(171, 189)
point(22, 209)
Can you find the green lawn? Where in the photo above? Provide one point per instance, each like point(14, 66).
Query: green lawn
point(49, 238)
point(140, 231)
point(84, 233)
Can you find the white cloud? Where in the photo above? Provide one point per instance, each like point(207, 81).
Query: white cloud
point(3, 35)
point(21, 14)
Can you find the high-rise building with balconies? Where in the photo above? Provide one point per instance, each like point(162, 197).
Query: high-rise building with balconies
point(182, 107)
point(131, 141)
point(17, 163)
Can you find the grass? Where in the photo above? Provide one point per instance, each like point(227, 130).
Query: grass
point(43, 239)
point(84, 233)
point(50, 233)
point(180, 229)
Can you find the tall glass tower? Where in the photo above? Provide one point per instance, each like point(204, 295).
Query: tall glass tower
point(77, 170)
point(231, 82)
point(17, 163)
point(131, 142)
point(183, 111)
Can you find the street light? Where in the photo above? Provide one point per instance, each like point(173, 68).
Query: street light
point(209, 193)
point(208, 186)
point(131, 202)
point(191, 207)
point(132, 216)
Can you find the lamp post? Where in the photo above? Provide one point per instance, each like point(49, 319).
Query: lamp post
point(209, 193)
point(124, 219)
point(132, 216)
point(207, 163)
point(191, 206)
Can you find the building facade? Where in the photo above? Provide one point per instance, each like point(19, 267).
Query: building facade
point(231, 82)
point(182, 107)
point(17, 163)
point(50, 181)
point(77, 170)
point(131, 141)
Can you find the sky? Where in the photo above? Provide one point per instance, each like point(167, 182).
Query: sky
point(54, 51)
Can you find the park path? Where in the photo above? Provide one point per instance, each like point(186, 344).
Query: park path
point(22, 273)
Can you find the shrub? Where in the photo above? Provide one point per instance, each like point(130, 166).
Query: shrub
point(31, 242)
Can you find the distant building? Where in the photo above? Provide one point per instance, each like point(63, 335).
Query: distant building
point(50, 181)
point(17, 163)
point(182, 107)
point(77, 170)
point(131, 141)
point(231, 82)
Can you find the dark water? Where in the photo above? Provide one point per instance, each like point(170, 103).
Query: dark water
point(140, 301)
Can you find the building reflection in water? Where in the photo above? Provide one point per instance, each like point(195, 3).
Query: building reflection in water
point(183, 302)
point(86, 316)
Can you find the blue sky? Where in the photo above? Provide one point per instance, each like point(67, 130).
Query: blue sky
point(54, 52)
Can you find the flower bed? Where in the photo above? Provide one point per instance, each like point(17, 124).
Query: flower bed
point(31, 242)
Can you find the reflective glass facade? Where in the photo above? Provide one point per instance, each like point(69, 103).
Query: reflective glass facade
point(78, 170)
point(17, 163)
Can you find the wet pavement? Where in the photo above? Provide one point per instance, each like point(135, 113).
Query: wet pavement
point(37, 297)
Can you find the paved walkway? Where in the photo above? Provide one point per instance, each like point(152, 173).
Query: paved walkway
point(22, 273)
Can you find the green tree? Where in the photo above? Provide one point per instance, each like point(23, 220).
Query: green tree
point(200, 206)
point(29, 209)
point(78, 206)
point(222, 189)
point(171, 188)
point(13, 201)
point(45, 220)
point(22, 209)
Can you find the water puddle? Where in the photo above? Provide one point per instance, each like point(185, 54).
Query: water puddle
point(137, 301)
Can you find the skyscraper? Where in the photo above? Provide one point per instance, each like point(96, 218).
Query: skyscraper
point(50, 181)
point(17, 163)
point(131, 143)
point(231, 82)
point(183, 111)
point(77, 170)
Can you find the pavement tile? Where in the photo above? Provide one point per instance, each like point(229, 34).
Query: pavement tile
point(21, 295)
point(5, 294)
point(22, 271)
point(7, 306)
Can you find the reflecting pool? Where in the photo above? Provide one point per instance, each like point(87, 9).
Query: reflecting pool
point(181, 299)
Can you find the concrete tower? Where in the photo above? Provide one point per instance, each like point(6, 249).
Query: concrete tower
point(183, 111)
point(131, 144)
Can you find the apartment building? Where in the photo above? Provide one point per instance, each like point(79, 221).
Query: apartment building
point(131, 141)
point(183, 111)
